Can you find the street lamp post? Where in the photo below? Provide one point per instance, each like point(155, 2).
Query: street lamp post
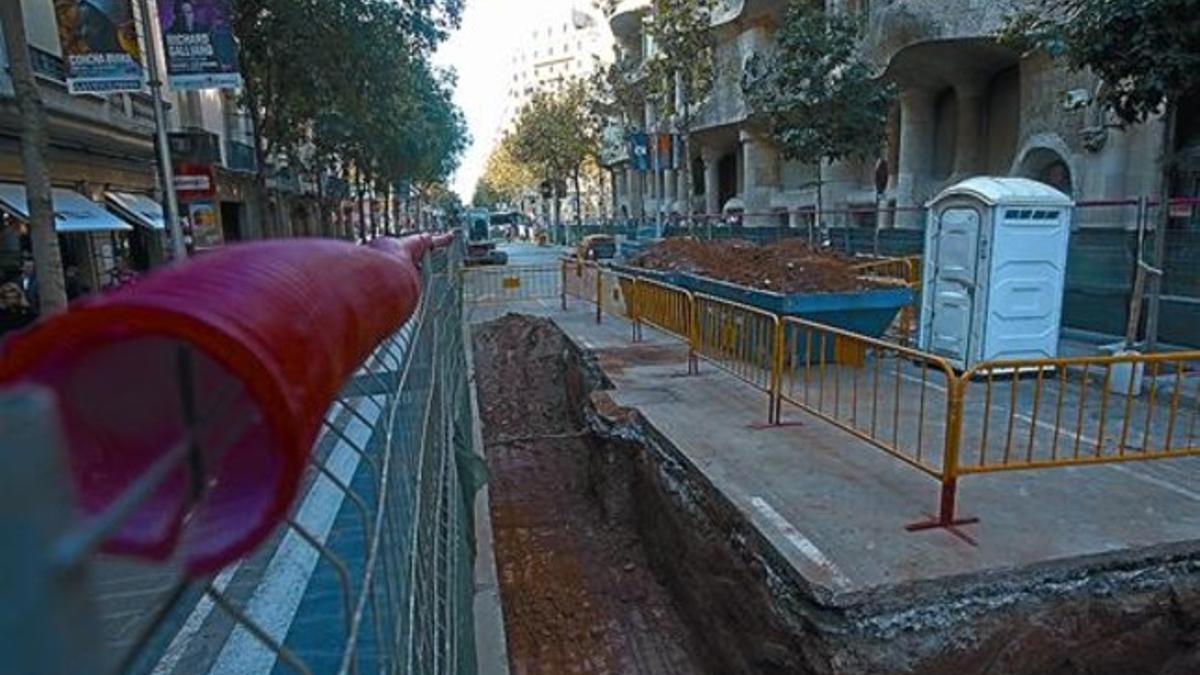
point(165, 171)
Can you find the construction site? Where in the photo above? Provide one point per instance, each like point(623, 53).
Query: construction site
point(658, 464)
point(671, 493)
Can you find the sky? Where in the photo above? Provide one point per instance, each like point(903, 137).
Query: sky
point(480, 53)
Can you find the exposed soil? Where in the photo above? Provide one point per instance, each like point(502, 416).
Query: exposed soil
point(786, 266)
point(577, 588)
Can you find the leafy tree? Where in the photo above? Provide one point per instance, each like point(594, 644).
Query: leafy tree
point(47, 258)
point(505, 179)
point(815, 91)
point(553, 134)
point(684, 66)
point(486, 195)
point(1148, 55)
point(347, 84)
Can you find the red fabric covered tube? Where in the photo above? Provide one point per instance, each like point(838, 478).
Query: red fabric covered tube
point(275, 328)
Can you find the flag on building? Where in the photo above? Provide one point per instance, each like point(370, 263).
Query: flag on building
point(639, 152)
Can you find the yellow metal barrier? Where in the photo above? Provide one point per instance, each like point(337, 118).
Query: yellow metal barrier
point(904, 271)
point(1075, 411)
point(890, 396)
point(1001, 416)
point(616, 293)
point(491, 285)
point(739, 339)
point(578, 280)
point(667, 308)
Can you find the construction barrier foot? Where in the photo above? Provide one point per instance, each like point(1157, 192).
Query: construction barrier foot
point(952, 526)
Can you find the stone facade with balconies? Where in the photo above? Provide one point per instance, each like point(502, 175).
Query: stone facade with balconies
point(966, 105)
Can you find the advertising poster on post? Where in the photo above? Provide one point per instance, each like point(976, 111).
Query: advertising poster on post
point(206, 225)
point(100, 46)
point(199, 44)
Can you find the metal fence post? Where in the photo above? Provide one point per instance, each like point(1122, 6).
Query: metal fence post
point(693, 332)
point(49, 622)
point(631, 305)
point(565, 265)
point(599, 294)
point(946, 517)
point(776, 393)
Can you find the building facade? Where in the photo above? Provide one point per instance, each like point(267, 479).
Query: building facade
point(102, 147)
point(966, 106)
point(569, 44)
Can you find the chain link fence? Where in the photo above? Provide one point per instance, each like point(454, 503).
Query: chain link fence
point(371, 573)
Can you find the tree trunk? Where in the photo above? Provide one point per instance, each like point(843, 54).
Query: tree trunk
point(685, 168)
point(819, 216)
point(578, 201)
point(1166, 166)
point(555, 205)
point(362, 213)
point(266, 230)
point(390, 224)
point(326, 226)
point(47, 258)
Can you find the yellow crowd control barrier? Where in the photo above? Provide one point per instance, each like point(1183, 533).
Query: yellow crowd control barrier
point(1000, 416)
point(501, 284)
point(890, 396)
point(905, 271)
point(615, 293)
point(1074, 411)
point(739, 339)
point(579, 280)
point(667, 308)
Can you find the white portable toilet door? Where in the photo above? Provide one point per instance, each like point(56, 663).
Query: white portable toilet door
point(956, 261)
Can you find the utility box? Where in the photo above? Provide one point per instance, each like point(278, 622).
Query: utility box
point(995, 271)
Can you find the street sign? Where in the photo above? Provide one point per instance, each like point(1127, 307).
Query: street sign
point(195, 182)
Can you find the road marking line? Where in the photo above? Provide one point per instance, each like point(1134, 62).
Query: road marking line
point(803, 544)
point(276, 599)
point(183, 639)
point(195, 621)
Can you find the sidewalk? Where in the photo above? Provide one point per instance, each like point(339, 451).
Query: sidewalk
point(835, 507)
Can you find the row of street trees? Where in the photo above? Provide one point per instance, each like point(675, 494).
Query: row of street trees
point(346, 87)
point(554, 140)
point(334, 87)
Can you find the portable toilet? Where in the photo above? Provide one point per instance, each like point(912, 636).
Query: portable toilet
point(995, 271)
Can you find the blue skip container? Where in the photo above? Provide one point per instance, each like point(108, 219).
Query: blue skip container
point(868, 313)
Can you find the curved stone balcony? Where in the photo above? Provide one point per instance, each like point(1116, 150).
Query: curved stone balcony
point(901, 24)
point(626, 21)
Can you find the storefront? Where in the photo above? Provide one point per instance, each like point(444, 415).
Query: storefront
point(148, 242)
point(95, 243)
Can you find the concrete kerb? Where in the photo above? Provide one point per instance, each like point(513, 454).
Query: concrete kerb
point(491, 646)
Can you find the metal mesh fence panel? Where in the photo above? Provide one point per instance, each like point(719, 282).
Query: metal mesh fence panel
point(372, 572)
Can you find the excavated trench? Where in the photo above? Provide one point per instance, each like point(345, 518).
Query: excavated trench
point(615, 555)
point(602, 569)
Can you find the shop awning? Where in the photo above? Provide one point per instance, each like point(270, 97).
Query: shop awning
point(72, 211)
point(139, 209)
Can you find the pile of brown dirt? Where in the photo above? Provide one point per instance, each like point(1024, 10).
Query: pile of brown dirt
point(786, 266)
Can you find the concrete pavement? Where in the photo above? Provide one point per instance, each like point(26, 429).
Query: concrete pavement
point(836, 507)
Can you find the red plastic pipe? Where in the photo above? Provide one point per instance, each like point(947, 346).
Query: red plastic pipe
point(275, 330)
